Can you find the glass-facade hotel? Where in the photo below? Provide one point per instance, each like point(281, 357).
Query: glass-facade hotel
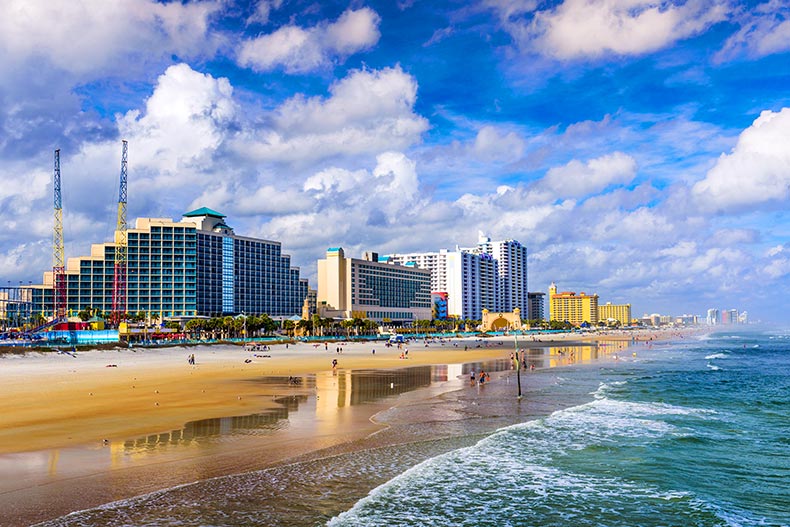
point(197, 266)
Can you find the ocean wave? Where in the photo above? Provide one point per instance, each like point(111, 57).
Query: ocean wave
point(713, 367)
point(606, 387)
point(454, 488)
point(717, 356)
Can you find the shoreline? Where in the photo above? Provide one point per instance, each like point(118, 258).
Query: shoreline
point(234, 390)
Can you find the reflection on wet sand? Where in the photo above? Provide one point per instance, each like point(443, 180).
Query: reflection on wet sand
point(308, 407)
point(326, 394)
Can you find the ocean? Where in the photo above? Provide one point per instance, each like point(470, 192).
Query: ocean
point(694, 432)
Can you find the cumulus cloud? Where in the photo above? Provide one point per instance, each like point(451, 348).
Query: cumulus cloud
point(367, 112)
point(184, 122)
point(577, 179)
point(491, 145)
point(88, 37)
point(591, 28)
point(300, 50)
point(757, 171)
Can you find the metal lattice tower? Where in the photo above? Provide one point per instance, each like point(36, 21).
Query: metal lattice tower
point(58, 253)
point(119, 278)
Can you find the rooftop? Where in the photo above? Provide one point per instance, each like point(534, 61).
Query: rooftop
point(203, 211)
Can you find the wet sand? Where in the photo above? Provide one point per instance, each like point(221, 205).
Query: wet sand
point(57, 411)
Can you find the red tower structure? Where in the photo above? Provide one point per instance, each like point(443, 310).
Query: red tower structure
point(58, 253)
point(119, 305)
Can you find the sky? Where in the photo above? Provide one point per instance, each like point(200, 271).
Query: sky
point(639, 149)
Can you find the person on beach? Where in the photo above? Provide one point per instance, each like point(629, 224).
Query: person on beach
point(472, 378)
point(334, 364)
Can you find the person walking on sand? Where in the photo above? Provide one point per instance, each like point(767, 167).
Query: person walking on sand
point(472, 377)
point(334, 364)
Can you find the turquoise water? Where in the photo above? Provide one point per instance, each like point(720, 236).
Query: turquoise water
point(692, 434)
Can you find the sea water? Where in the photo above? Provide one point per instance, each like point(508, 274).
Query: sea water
point(694, 432)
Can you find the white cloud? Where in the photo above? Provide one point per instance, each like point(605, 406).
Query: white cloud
point(757, 170)
point(184, 122)
point(367, 112)
point(300, 50)
point(577, 179)
point(764, 30)
point(591, 28)
point(87, 37)
point(490, 145)
point(263, 10)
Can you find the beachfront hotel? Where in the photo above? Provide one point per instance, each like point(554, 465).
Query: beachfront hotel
point(492, 276)
point(469, 280)
point(196, 266)
point(369, 288)
point(567, 306)
point(615, 313)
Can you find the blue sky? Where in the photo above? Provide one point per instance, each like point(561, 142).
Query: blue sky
point(640, 150)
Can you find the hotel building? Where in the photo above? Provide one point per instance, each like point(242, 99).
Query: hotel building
point(196, 266)
point(511, 259)
point(491, 276)
point(567, 306)
point(619, 312)
point(368, 288)
point(469, 279)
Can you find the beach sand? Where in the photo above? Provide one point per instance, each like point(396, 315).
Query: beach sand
point(77, 432)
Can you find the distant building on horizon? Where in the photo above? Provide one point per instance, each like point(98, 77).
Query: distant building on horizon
point(713, 318)
point(620, 313)
point(536, 306)
point(567, 306)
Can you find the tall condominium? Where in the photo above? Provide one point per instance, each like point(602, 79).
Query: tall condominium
point(196, 266)
point(567, 306)
point(492, 276)
point(469, 279)
point(368, 288)
point(511, 258)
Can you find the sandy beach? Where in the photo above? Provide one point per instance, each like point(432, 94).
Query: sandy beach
point(77, 432)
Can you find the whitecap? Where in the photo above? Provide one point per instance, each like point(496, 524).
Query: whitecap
point(717, 356)
point(713, 367)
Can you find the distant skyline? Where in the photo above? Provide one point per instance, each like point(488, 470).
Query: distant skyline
point(640, 151)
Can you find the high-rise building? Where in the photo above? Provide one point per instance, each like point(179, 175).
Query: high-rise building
point(196, 266)
point(536, 306)
point(567, 306)
point(713, 318)
point(492, 276)
point(470, 280)
point(511, 259)
point(372, 289)
point(615, 312)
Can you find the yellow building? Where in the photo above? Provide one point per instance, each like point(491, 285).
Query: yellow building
point(618, 312)
point(573, 308)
